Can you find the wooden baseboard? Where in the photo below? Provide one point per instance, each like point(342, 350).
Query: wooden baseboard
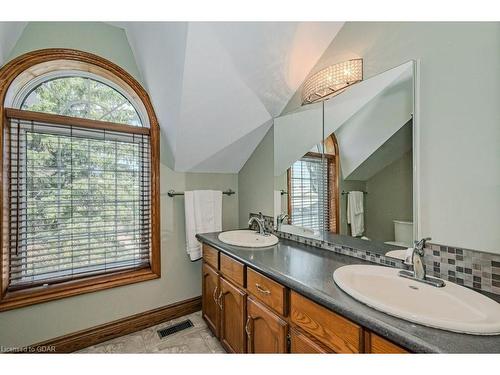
point(95, 335)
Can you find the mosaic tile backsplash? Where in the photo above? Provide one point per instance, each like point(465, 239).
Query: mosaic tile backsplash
point(346, 250)
point(471, 268)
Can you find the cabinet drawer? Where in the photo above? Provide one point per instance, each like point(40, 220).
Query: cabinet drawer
point(267, 291)
point(335, 331)
point(211, 256)
point(378, 345)
point(232, 269)
point(301, 343)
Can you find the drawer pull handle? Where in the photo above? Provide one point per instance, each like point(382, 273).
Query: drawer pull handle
point(261, 289)
point(215, 292)
point(249, 335)
point(247, 327)
point(220, 303)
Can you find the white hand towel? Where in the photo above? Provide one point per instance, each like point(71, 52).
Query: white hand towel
point(355, 213)
point(203, 211)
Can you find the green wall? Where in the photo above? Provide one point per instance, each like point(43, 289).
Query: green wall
point(390, 197)
point(256, 181)
point(95, 37)
point(181, 278)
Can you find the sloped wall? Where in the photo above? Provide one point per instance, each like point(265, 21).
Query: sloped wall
point(181, 278)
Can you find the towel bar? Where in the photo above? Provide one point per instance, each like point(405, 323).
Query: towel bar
point(172, 193)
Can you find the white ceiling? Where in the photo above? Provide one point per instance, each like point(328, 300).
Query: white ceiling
point(217, 85)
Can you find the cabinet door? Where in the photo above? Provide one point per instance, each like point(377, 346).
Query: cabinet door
point(378, 345)
point(210, 293)
point(233, 317)
point(266, 331)
point(301, 343)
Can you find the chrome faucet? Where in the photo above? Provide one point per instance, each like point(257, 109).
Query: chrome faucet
point(260, 222)
point(416, 259)
point(280, 219)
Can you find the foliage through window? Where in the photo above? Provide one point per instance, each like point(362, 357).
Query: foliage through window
point(80, 196)
point(80, 166)
point(81, 97)
point(80, 202)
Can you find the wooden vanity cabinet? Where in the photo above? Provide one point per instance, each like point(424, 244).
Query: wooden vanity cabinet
point(224, 299)
point(232, 317)
point(210, 293)
point(251, 313)
point(302, 343)
point(332, 330)
point(266, 331)
point(377, 345)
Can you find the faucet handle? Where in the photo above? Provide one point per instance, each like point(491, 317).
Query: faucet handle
point(421, 244)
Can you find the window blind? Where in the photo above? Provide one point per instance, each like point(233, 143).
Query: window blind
point(79, 202)
point(330, 194)
point(307, 195)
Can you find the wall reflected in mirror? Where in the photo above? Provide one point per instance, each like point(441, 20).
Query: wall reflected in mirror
point(298, 171)
point(344, 167)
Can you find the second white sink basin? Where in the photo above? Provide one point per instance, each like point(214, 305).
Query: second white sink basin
point(247, 238)
point(452, 307)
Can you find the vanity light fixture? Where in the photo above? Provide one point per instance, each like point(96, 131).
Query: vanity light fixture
point(332, 80)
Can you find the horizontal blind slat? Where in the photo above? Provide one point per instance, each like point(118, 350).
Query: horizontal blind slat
point(79, 201)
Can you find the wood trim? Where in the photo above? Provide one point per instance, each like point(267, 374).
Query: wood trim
point(97, 334)
point(18, 114)
point(26, 297)
point(334, 187)
point(8, 74)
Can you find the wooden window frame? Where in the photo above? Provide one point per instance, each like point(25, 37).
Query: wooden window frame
point(333, 170)
point(8, 73)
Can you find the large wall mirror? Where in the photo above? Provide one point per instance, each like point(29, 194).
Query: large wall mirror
point(344, 167)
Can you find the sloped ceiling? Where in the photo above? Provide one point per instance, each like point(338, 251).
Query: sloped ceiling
point(217, 85)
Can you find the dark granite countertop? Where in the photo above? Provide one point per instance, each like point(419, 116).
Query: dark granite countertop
point(308, 270)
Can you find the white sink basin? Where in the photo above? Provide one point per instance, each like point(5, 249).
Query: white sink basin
point(452, 307)
point(247, 238)
point(398, 254)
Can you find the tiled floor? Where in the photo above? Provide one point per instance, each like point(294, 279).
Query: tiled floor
point(197, 339)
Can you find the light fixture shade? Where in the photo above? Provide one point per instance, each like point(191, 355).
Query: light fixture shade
point(332, 80)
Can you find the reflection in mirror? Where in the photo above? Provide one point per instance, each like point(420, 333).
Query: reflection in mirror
point(352, 181)
point(373, 125)
point(298, 170)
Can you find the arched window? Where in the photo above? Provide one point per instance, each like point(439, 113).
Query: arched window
point(80, 161)
point(77, 94)
point(332, 157)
